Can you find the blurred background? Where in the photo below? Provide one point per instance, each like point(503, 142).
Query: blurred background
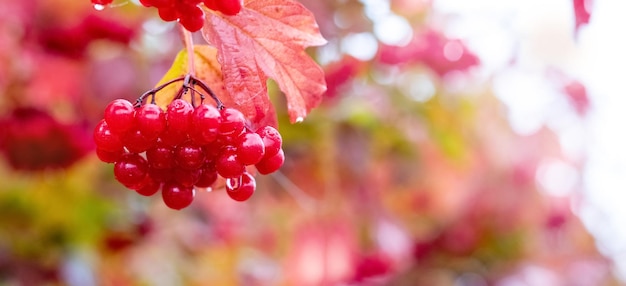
point(459, 143)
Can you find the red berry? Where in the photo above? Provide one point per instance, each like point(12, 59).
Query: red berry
point(150, 120)
point(211, 4)
point(160, 157)
point(173, 137)
point(149, 187)
point(250, 148)
point(136, 142)
point(119, 115)
point(229, 7)
point(207, 178)
point(191, 17)
point(101, 2)
point(271, 140)
point(109, 156)
point(176, 196)
point(168, 13)
point(179, 115)
point(205, 123)
point(233, 122)
point(189, 156)
point(187, 178)
point(241, 189)
point(271, 164)
point(105, 139)
point(227, 164)
point(161, 175)
point(130, 170)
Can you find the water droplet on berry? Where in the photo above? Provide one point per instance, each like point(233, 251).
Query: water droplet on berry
point(233, 183)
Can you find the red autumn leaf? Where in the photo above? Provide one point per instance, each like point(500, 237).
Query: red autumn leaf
point(582, 12)
point(432, 49)
point(267, 40)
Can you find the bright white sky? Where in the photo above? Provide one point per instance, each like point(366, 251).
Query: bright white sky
point(541, 31)
point(540, 34)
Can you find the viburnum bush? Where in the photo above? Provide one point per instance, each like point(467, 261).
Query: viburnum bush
point(210, 116)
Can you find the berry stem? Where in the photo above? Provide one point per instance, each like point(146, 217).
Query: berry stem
point(155, 90)
point(188, 42)
point(206, 88)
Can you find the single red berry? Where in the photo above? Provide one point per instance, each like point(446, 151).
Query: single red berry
point(187, 178)
point(150, 120)
point(227, 164)
point(161, 3)
point(189, 156)
point(130, 170)
point(241, 189)
point(149, 187)
point(205, 123)
point(105, 139)
point(179, 115)
point(119, 115)
point(211, 4)
point(271, 164)
point(168, 13)
point(208, 176)
point(136, 142)
point(101, 2)
point(191, 17)
point(173, 137)
point(250, 148)
point(230, 7)
point(233, 122)
point(271, 140)
point(109, 156)
point(160, 156)
point(176, 196)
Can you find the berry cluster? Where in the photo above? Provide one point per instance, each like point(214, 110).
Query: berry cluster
point(188, 12)
point(184, 147)
point(31, 139)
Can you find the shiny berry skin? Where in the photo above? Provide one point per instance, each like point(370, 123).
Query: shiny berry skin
point(187, 178)
point(205, 123)
point(109, 156)
point(207, 177)
point(101, 2)
point(233, 122)
point(227, 164)
point(241, 189)
point(150, 120)
point(271, 164)
point(176, 196)
point(271, 140)
point(189, 156)
point(120, 115)
point(229, 7)
point(211, 4)
point(168, 13)
point(192, 18)
point(173, 137)
point(130, 170)
point(135, 141)
point(250, 148)
point(179, 115)
point(160, 156)
point(105, 139)
point(148, 187)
